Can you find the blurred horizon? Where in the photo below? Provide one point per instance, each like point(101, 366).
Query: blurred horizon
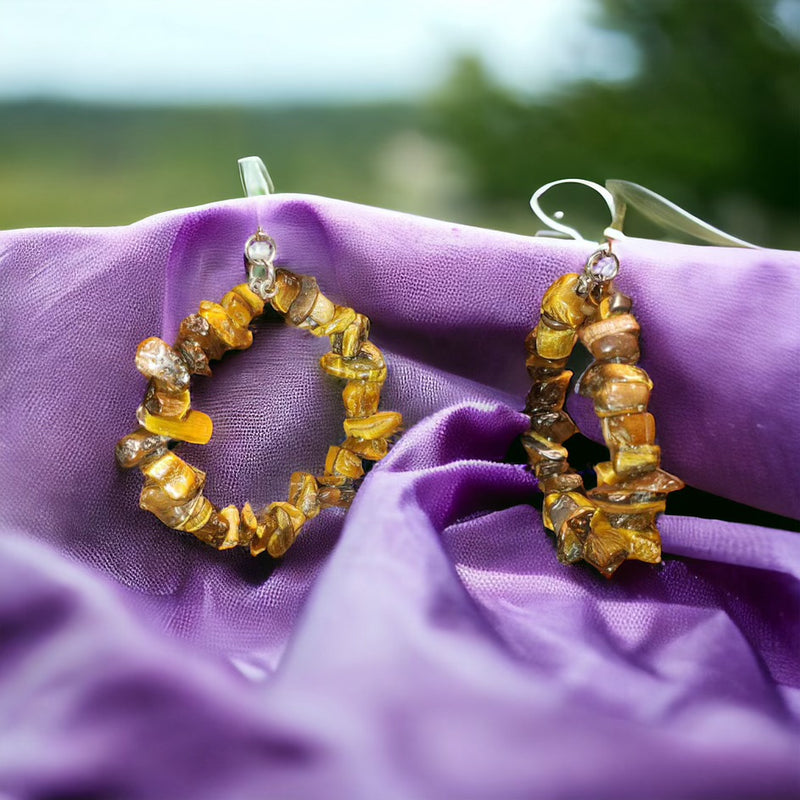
point(449, 111)
point(245, 52)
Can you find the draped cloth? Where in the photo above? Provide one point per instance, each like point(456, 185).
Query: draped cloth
point(427, 643)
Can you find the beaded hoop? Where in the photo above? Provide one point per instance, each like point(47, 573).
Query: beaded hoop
point(173, 489)
point(616, 520)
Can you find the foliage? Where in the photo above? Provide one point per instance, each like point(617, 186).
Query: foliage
point(711, 118)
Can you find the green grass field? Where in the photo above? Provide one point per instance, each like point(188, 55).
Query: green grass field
point(63, 164)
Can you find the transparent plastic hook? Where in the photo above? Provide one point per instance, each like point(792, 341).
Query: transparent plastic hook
point(256, 181)
point(611, 232)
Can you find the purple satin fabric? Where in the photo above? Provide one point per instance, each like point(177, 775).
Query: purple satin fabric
point(427, 644)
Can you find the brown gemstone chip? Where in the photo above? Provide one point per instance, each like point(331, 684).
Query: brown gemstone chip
point(370, 449)
point(626, 430)
point(163, 403)
point(545, 457)
point(214, 531)
point(598, 337)
point(352, 339)
point(549, 392)
point(557, 426)
point(156, 360)
point(599, 374)
point(133, 449)
point(636, 460)
point(336, 497)
point(615, 397)
point(616, 303)
point(287, 287)
point(196, 329)
point(568, 481)
point(568, 515)
point(658, 481)
point(304, 301)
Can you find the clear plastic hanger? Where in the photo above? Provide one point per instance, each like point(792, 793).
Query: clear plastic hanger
point(256, 180)
point(617, 195)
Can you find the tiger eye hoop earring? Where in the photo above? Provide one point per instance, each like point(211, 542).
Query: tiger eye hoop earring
point(173, 489)
point(616, 520)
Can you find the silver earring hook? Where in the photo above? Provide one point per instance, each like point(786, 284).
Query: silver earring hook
point(611, 232)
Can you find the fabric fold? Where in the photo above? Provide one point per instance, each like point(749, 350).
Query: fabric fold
point(427, 644)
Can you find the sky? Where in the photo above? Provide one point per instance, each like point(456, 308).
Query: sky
point(246, 51)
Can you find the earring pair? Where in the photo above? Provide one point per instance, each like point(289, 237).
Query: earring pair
point(605, 525)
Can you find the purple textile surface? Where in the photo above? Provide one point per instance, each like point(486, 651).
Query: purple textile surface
point(428, 644)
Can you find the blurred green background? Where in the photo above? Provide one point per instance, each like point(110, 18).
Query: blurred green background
point(709, 116)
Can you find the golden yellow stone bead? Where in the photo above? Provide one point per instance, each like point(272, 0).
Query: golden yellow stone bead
point(605, 473)
point(657, 481)
point(214, 530)
point(225, 327)
point(248, 525)
point(196, 428)
point(376, 426)
point(626, 430)
point(231, 515)
point(198, 344)
point(199, 516)
point(255, 303)
point(338, 481)
point(562, 304)
point(154, 499)
point(343, 462)
point(553, 344)
point(302, 304)
point(162, 403)
point(361, 398)
point(607, 547)
point(179, 480)
point(354, 336)
point(320, 315)
point(371, 449)
point(303, 494)
point(635, 460)
point(287, 287)
point(370, 352)
point(289, 521)
point(335, 497)
point(600, 374)
point(267, 526)
point(560, 506)
point(238, 309)
point(568, 481)
point(545, 456)
point(621, 398)
point(350, 369)
point(651, 507)
point(342, 318)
